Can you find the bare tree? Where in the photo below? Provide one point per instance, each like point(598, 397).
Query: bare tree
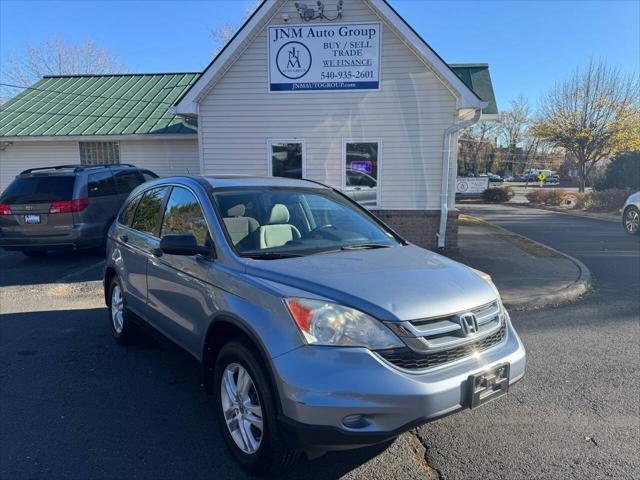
point(477, 145)
point(592, 115)
point(225, 31)
point(515, 134)
point(55, 56)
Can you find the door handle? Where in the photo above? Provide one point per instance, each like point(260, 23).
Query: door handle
point(124, 238)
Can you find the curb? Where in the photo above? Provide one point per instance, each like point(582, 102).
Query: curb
point(571, 292)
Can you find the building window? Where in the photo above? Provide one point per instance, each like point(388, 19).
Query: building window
point(97, 153)
point(361, 172)
point(287, 159)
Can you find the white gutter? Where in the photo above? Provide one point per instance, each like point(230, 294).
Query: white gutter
point(444, 188)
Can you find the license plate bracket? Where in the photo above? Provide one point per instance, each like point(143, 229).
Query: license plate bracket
point(488, 385)
point(31, 219)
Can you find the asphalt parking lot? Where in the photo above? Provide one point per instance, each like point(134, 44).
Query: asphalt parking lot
point(77, 405)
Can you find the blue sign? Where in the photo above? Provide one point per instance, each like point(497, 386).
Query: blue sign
point(362, 166)
point(324, 57)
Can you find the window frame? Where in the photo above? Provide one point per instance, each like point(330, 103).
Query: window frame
point(343, 167)
point(271, 141)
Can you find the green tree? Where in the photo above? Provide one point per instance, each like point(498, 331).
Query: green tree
point(592, 115)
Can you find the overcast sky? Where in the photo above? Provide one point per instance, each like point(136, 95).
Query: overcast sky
point(528, 44)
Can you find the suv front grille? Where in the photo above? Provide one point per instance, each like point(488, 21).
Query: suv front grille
point(411, 360)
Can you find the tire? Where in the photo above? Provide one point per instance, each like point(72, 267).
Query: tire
point(631, 220)
point(271, 455)
point(34, 253)
point(122, 328)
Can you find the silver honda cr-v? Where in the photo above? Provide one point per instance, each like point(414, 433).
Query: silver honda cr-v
point(318, 327)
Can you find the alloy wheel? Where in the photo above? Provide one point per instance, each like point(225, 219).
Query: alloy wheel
point(241, 408)
point(632, 220)
point(117, 309)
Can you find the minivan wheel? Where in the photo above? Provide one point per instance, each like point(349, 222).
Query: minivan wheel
point(122, 328)
point(631, 220)
point(246, 412)
point(34, 253)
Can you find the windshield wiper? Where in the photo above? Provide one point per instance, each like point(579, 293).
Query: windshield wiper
point(364, 246)
point(271, 255)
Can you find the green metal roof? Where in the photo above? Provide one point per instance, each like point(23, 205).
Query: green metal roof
point(476, 77)
point(130, 104)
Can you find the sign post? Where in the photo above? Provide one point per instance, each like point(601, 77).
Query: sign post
point(324, 57)
point(541, 178)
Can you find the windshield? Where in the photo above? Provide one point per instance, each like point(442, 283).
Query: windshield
point(276, 222)
point(43, 189)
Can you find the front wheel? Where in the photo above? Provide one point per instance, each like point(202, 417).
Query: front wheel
point(631, 220)
point(246, 412)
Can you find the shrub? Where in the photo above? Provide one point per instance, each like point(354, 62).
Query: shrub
point(555, 197)
point(498, 195)
point(622, 172)
point(536, 196)
point(606, 200)
point(581, 200)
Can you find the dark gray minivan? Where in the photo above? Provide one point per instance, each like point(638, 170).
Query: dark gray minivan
point(64, 207)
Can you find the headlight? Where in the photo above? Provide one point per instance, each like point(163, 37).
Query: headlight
point(326, 323)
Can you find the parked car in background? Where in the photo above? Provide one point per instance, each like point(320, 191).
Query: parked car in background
point(64, 207)
point(361, 187)
point(493, 178)
point(318, 327)
point(631, 214)
point(552, 179)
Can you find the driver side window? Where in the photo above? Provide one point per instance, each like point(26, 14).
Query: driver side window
point(184, 215)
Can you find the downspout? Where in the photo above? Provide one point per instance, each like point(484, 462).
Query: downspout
point(444, 189)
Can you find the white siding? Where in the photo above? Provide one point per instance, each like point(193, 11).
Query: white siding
point(19, 156)
point(164, 157)
point(408, 115)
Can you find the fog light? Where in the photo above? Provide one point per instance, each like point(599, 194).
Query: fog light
point(355, 421)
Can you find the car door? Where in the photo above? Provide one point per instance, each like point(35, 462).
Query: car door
point(136, 245)
point(179, 291)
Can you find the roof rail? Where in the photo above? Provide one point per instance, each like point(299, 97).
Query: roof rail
point(76, 167)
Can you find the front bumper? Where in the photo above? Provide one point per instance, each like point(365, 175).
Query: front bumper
point(320, 386)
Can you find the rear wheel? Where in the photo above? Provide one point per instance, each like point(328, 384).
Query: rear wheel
point(631, 220)
point(122, 327)
point(246, 412)
point(34, 253)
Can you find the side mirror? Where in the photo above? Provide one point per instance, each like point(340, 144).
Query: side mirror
point(182, 244)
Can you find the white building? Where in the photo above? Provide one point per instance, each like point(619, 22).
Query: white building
point(353, 98)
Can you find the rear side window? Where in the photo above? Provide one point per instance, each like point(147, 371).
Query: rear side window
point(127, 212)
point(35, 189)
point(147, 217)
point(101, 184)
point(184, 215)
point(128, 180)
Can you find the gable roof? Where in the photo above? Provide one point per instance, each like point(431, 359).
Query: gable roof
point(476, 76)
point(187, 103)
point(73, 105)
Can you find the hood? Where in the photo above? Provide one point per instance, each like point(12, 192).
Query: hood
point(398, 283)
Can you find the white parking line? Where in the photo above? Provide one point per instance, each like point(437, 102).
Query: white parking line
point(78, 273)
